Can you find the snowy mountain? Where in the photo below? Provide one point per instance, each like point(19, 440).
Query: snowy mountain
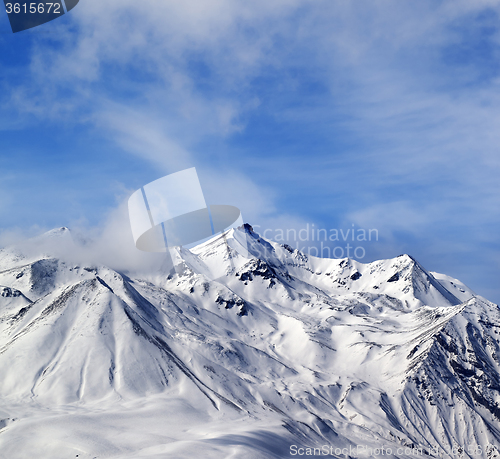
point(247, 349)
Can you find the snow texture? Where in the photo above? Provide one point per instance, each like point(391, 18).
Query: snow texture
point(281, 351)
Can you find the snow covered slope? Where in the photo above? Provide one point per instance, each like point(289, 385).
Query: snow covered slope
point(247, 349)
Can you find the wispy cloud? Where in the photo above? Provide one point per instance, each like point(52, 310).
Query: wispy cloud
point(376, 113)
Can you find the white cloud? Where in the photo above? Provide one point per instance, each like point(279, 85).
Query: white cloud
point(144, 136)
point(110, 244)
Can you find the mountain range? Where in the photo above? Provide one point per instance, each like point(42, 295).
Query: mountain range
point(245, 349)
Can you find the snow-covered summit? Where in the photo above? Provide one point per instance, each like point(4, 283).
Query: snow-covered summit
point(246, 348)
point(251, 256)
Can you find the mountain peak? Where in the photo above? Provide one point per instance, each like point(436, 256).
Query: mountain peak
point(401, 277)
point(271, 346)
point(63, 230)
point(247, 227)
point(406, 257)
point(62, 233)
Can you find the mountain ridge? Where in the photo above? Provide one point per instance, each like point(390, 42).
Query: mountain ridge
point(245, 331)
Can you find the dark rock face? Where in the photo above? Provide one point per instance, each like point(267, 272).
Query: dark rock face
point(356, 276)
point(8, 292)
point(394, 278)
point(232, 302)
point(257, 268)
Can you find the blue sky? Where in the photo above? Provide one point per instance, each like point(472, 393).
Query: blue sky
point(379, 114)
